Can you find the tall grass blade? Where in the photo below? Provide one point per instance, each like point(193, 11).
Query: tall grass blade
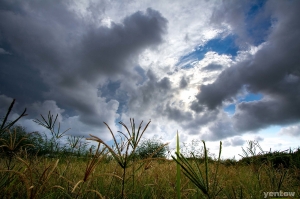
point(10, 124)
point(178, 177)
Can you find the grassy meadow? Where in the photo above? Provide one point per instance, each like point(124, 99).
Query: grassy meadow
point(40, 177)
point(36, 166)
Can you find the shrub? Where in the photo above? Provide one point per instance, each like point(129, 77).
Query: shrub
point(229, 162)
point(296, 158)
point(151, 148)
point(32, 142)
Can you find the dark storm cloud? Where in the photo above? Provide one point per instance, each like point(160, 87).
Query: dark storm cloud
point(219, 129)
point(145, 97)
point(259, 114)
point(273, 71)
point(193, 126)
point(4, 52)
point(37, 30)
point(177, 114)
point(164, 83)
point(197, 107)
point(226, 86)
point(70, 58)
point(36, 34)
point(114, 50)
point(4, 104)
point(110, 50)
point(20, 81)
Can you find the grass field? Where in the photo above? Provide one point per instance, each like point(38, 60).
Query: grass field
point(97, 177)
point(34, 167)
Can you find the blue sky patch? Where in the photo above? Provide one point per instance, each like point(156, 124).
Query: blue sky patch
point(222, 45)
point(258, 25)
point(111, 91)
point(219, 45)
point(230, 109)
point(142, 73)
point(251, 97)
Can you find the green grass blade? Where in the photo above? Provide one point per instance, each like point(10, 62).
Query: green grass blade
point(206, 166)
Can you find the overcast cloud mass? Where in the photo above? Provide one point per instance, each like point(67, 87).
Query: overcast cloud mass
point(211, 70)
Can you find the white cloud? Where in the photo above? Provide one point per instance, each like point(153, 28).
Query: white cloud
point(293, 130)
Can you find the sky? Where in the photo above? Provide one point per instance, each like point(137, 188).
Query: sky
point(212, 70)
